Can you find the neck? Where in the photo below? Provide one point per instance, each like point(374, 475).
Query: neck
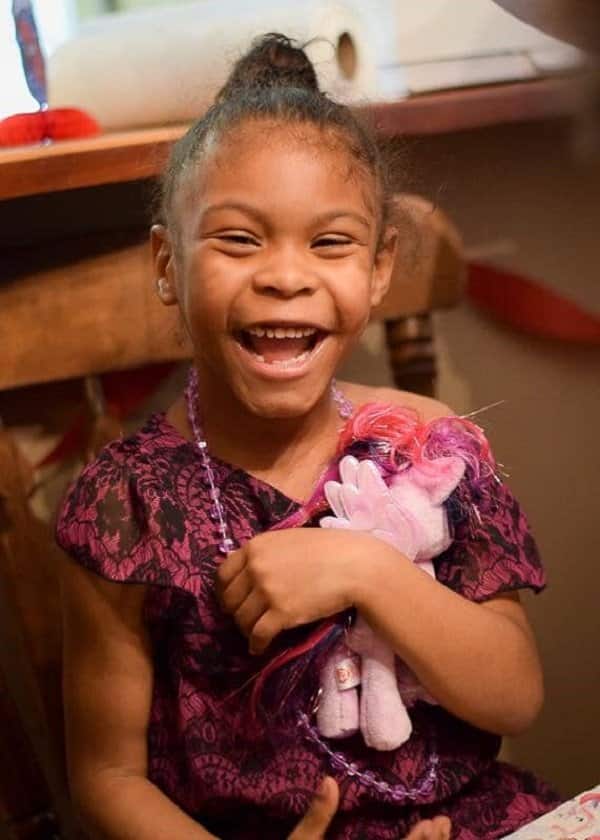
point(269, 446)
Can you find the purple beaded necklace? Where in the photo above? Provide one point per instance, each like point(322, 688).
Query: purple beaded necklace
point(345, 409)
point(337, 760)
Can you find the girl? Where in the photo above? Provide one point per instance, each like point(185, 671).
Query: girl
point(275, 242)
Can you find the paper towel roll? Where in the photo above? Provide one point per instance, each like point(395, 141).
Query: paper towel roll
point(164, 65)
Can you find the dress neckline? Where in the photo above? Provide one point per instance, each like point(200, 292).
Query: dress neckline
point(172, 431)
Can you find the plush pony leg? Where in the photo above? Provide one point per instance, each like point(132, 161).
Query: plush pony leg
point(337, 715)
point(384, 721)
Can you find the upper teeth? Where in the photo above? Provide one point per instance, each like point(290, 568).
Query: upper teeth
point(282, 332)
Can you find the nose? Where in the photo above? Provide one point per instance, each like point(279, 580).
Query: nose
point(286, 275)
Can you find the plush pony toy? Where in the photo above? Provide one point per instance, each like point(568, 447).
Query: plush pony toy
point(393, 476)
point(410, 515)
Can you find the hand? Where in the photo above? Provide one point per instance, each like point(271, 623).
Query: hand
point(321, 811)
point(282, 579)
point(438, 828)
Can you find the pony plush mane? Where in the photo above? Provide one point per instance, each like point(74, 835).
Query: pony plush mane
point(398, 437)
point(394, 437)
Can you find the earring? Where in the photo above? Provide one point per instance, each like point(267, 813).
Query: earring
point(163, 287)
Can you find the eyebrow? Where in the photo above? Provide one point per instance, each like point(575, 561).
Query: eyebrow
point(340, 214)
point(257, 214)
point(248, 209)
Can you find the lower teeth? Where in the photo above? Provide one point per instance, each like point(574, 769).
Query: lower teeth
point(289, 362)
point(286, 362)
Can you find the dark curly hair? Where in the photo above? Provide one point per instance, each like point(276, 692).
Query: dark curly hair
point(276, 80)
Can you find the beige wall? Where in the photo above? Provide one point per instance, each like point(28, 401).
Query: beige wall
point(521, 184)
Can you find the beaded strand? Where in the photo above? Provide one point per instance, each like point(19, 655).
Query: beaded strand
point(397, 793)
point(217, 513)
point(336, 759)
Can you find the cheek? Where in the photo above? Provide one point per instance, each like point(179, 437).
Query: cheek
point(210, 291)
point(353, 299)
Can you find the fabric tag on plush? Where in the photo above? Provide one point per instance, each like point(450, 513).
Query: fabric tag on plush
point(347, 673)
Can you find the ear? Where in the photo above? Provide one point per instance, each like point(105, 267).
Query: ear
point(164, 265)
point(383, 265)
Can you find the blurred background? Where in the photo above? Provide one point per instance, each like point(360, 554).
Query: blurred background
point(492, 113)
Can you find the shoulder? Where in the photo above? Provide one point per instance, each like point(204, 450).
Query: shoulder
point(138, 449)
point(122, 516)
point(108, 478)
point(427, 407)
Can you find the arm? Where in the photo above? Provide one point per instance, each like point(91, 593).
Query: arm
point(107, 688)
point(478, 660)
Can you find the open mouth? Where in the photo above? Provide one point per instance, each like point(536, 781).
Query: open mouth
point(281, 345)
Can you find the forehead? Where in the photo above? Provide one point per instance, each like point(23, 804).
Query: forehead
point(289, 169)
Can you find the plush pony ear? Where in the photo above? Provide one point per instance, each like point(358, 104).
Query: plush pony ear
point(438, 476)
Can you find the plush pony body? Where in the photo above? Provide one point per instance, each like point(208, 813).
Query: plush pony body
point(409, 514)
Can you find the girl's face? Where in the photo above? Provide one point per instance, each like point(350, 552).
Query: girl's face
point(274, 264)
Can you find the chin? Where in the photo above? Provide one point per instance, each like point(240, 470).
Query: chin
point(288, 404)
point(284, 408)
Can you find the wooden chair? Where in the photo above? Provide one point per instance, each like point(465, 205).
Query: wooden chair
point(97, 284)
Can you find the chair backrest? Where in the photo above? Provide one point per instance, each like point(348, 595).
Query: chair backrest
point(429, 275)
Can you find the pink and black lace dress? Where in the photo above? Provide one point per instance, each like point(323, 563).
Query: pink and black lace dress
point(140, 514)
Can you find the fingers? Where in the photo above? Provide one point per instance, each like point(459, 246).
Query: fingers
point(230, 567)
point(437, 829)
point(236, 592)
point(264, 631)
point(321, 811)
point(250, 611)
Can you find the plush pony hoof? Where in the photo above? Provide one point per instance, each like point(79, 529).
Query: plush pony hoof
point(385, 741)
point(338, 715)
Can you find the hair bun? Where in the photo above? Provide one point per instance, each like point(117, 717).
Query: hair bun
point(272, 61)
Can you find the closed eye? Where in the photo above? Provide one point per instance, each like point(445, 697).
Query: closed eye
point(332, 242)
point(238, 238)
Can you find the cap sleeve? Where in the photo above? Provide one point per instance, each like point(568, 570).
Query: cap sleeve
point(493, 551)
point(114, 523)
